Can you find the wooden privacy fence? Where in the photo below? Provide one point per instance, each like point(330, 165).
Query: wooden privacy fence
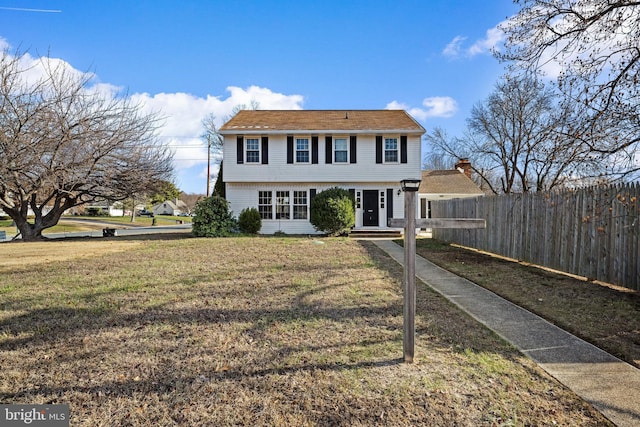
point(592, 232)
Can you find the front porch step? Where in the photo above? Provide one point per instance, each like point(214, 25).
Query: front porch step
point(375, 233)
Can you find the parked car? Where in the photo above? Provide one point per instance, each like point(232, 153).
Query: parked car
point(145, 212)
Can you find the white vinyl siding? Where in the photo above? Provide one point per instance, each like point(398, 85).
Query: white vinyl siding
point(247, 195)
point(365, 170)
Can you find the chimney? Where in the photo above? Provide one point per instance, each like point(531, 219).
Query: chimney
point(464, 166)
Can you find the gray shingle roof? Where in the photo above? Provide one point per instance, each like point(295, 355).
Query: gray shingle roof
point(447, 182)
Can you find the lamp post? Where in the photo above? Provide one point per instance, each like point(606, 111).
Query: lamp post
point(410, 187)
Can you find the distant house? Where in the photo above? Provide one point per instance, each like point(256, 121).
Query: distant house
point(170, 207)
point(104, 208)
point(446, 184)
point(277, 161)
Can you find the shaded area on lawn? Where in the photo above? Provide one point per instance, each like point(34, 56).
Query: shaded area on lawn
point(607, 317)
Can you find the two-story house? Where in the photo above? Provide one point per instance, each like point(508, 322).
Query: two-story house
point(277, 161)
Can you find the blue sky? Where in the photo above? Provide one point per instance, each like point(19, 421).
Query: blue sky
point(189, 58)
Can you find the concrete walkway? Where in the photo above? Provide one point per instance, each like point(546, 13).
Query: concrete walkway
point(610, 385)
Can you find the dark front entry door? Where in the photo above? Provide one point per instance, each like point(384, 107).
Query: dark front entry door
point(370, 208)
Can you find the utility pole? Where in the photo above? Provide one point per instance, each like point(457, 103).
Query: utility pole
point(208, 163)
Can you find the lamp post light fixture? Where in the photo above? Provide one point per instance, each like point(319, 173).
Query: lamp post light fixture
point(410, 187)
point(410, 184)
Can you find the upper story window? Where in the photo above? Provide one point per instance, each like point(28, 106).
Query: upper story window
point(302, 150)
point(340, 150)
point(253, 150)
point(391, 150)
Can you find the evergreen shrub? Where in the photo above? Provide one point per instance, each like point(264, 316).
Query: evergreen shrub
point(332, 211)
point(249, 221)
point(213, 218)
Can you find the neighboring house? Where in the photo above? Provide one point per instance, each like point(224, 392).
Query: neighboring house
point(103, 208)
point(169, 207)
point(446, 184)
point(30, 213)
point(277, 161)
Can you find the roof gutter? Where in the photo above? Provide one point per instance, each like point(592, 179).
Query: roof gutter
point(256, 130)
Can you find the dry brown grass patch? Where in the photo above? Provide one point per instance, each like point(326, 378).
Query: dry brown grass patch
point(20, 254)
point(606, 316)
point(258, 331)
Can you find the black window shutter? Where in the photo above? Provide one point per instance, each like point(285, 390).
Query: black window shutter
point(352, 153)
point(314, 150)
point(312, 194)
point(403, 149)
point(240, 150)
point(289, 149)
point(379, 149)
point(328, 149)
point(389, 203)
point(265, 150)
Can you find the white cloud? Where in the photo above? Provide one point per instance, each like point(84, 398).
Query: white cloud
point(440, 106)
point(436, 106)
point(183, 113)
point(453, 48)
point(395, 105)
point(493, 37)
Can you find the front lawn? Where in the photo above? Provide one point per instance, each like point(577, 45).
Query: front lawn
point(177, 330)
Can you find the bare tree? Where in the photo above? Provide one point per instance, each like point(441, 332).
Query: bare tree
point(592, 45)
point(191, 200)
point(63, 144)
point(512, 140)
point(214, 142)
point(214, 139)
point(449, 149)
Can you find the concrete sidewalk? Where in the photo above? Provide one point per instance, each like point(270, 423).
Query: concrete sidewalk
point(609, 384)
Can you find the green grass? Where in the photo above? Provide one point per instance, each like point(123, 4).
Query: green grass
point(70, 224)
